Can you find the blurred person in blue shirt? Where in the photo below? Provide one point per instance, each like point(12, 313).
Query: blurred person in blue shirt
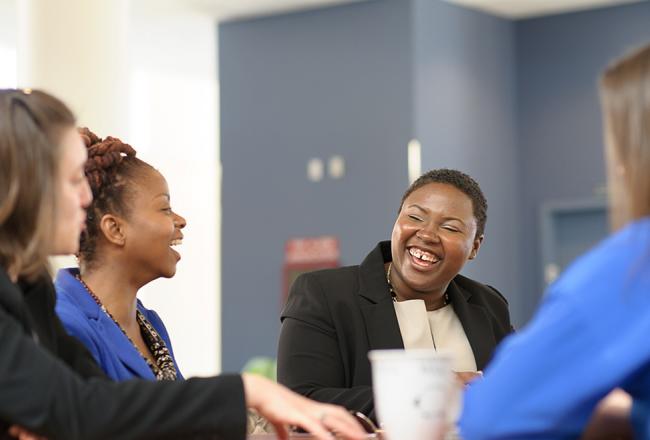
point(590, 335)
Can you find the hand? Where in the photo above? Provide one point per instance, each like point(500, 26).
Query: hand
point(466, 377)
point(611, 418)
point(23, 434)
point(282, 407)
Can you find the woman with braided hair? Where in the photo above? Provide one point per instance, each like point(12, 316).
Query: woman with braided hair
point(49, 383)
point(127, 242)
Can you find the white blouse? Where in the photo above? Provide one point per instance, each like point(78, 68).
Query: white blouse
point(438, 329)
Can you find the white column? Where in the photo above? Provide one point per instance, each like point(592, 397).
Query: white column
point(77, 50)
point(174, 126)
point(159, 94)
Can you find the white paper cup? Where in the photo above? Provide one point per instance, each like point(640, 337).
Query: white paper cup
point(414, 390)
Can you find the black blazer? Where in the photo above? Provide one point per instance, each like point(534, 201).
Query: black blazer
point(50, 384)
point(334, 317)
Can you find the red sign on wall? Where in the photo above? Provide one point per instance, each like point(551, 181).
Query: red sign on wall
point(308, 254)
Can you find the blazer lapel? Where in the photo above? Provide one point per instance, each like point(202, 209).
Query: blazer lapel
point(116, 342)
point(476, 324)
point(120, 345)
point(377, 308)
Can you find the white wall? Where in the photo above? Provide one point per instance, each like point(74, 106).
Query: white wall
point(173, 124)
point(7, 43)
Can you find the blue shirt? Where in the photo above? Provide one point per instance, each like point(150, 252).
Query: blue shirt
point(590, 335)
point(85, 320)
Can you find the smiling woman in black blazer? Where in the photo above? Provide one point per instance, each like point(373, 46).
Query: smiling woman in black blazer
point(407, 293)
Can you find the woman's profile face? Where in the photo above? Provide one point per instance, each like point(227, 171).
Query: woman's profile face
point(73, 194)
point(433, 236)
point(152, 228)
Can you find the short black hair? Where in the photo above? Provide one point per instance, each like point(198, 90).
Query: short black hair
point(460, 181)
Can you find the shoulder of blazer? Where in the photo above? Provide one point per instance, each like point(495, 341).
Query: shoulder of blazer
point(335, 282)
point(312, 293)
point(315, 289)
point(480, 291)
point(483, 295)
point(487, 297)
point(366, 281)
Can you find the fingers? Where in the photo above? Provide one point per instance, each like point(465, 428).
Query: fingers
point(23, 434)
point(337, 419)
point(323, 419)
point(312, 421)
point(281, 431)
point(14, 431)
point(283, 407)
point(466, 377)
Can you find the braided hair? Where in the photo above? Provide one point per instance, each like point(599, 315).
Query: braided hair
point(111, 167)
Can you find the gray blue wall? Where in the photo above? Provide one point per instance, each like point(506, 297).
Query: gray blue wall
point(512, 103)
point(293, 87)
point(465, 118)
point(559, 134)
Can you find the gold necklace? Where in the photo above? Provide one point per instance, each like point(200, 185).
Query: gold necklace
point(394, 294)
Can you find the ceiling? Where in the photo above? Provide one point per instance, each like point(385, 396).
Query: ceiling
point(533, 8)
point(236, 9)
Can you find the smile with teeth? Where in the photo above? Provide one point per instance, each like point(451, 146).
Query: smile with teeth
point(423, 255)
point(176, 242)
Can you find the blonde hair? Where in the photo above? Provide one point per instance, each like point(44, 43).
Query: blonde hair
point(625, 99)
point(31, 127)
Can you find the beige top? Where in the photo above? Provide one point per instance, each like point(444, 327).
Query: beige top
point(420, 328)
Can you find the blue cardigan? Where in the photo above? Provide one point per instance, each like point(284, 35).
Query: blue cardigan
point(83, 319)
point(590, 335)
